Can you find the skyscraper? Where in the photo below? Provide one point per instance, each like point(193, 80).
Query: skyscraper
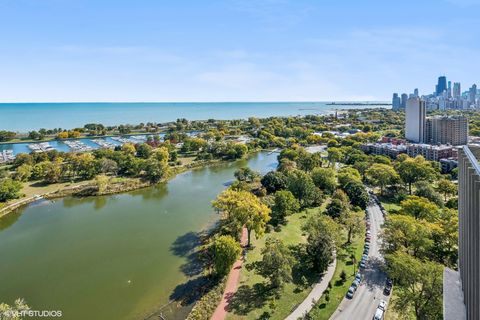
point(472, 93)
point(403, 103)
point(449, 89)
point(396, 102)
point(442, 85)
point(415, 113)
point(415, 92)
point(457, 91)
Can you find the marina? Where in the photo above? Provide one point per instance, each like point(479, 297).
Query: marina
point(104, 144)
point(6, 156)
point(40, 147)
point(78, 146)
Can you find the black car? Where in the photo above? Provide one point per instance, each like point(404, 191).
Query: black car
point(388, 287)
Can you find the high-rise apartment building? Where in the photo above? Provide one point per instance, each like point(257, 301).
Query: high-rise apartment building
point(415, 113)
point(441, 86)
point(461, 290)
point(446, 130)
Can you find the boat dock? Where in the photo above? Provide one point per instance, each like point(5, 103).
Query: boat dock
point(6, 156)
point(103, 143)
point(78, 146)
point(40, 147)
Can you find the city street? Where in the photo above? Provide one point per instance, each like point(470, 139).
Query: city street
point(370, 292)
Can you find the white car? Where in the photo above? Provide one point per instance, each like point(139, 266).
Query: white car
point(378, 314)
point(382, 305)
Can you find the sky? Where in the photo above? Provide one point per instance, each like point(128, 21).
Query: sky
point(233, 50)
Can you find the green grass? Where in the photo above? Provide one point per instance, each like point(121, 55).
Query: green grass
point(324, 309)
point(254, 299)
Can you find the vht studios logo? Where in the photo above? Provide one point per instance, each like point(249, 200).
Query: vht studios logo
point(31, 313)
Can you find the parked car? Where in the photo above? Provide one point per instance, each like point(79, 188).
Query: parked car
point(378, 314)
point(355, 283)
point(362, 264)
point(365, 251)
point(358, 277)
point(388, 287)
point(382, 305)
point(350, 292)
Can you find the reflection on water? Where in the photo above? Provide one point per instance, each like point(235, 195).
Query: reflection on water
point(121, 256)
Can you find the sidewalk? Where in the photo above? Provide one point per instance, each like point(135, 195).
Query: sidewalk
point(232, 282)
point(315, 294)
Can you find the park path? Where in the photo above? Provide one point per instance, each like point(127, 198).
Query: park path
point(232, 283)
point(314, 295)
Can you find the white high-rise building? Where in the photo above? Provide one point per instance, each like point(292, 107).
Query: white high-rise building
point(415, 114)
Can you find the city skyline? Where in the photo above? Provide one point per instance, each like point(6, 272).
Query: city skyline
point(268, 50)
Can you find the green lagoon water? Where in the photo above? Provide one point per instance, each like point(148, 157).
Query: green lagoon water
point(112, 257)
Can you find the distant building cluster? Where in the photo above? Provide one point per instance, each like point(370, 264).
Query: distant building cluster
point(445, 96)
point(419, 128)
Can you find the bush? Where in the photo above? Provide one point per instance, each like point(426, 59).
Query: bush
point(343, 276)
point(205, 307)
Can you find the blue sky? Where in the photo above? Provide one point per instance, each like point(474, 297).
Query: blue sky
point(233, 50)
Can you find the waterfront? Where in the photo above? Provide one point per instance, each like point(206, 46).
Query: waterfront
point(112, 257)
point(24, 117)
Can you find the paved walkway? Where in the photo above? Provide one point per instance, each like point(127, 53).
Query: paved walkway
point(315, 294)
point(232, 282)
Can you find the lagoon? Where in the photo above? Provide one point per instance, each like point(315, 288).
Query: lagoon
point(113, 257)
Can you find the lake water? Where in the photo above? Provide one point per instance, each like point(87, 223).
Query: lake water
point(112, 257)
point(24, 117)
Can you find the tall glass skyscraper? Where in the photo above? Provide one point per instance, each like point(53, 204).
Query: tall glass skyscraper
point(442, 85)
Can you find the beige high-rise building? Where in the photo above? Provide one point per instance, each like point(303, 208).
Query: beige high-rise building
point(446, 130)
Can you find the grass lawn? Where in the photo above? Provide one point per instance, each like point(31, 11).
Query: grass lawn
point(324, 309)
point(254, 299)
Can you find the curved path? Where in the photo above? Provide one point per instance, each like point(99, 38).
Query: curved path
point(232, 283)
point(315, 294)
point(370, 292)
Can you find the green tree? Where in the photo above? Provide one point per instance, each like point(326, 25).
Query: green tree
point(274, 181)
point(419, 285)
point(334, 155)
point(276, 263)
point(284, 204)
point(415, 169)
point(155, 170)
point(301, 185)
point(129, 148)
point(446, 187)
point(9, 189)
point(347, 175)
point(357, 193)
point(353, 222)
point(420, 208)
point(23, 172)
point(225, 251)
point(425, 189)
point(246, 174)
point(144, 151)
point(325, 179)
point(381, 175)
point(242, 209)
point(322, 238)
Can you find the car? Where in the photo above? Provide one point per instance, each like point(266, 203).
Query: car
point(382, 305)
point(388, 287)
point(365, 251)
point(364, 257)
point(367, 245)
point(378, 314)
point(362, 265)
point(367, 240)
point(358, 277)
point(350, 292)
point(355, 283)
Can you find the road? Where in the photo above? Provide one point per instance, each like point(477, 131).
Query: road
point(370, 292)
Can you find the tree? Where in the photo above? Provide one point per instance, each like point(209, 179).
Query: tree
point(325, 179)
point(9, 189)
point(276, 263)
point(108, 166)
point(381, 175)
point(447, 188)
point(353, 222)
point(273, 181)
point(101, 181)
point(338, 205)
point(322, 238)
point(239, 209)
point(334, 155)
point(155, 170)
point(420, 208)
point(23, 172)
point(225, 251)
point(246, 174)
point(284, 204)
point(406, 234)
point(348, 174)
point(415, 169)
point(6, 135)
point(357, 193)
point(52, 171)
point(419, 285)
point(13, 312)
point(129, 148)
point(144, 151)
point(301, 185)
point(23, 158)
point(424, 189)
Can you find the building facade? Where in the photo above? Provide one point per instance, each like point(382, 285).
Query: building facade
point(468, 240)
point(431, 152)
point(446, 130)
point(415, 114)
